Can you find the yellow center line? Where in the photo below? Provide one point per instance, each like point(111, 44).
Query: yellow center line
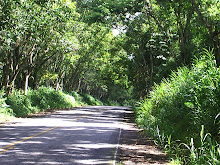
point(12, 145)
point(8, 147)
point(80, 117)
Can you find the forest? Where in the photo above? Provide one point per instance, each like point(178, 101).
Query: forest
point(160, 56)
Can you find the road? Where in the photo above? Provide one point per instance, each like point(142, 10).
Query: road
point(86, 135)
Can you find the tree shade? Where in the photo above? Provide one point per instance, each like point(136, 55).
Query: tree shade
point(69, 44)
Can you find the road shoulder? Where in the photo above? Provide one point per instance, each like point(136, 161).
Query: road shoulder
point(136, 148)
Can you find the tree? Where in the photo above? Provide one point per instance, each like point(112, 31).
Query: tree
point(209, 13)
point(33, 37)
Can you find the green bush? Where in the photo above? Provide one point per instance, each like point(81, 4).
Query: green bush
point(90, 100)
point(78, 98)
point(38, 100)
point(5, 111)
point(20, 104)
point(112, 103)
point(181, 104)
point(44, 98)
point(48, 98)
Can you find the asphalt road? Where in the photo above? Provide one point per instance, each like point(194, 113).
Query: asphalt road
point(87, 135)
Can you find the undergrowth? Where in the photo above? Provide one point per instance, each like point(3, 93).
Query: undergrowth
point(6, 112)
point(182, 108)
point(90, 100)
point(43, 99)
point(38, 100)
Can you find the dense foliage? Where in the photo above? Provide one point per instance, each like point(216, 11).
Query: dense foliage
point(46, 43)
point(69, 45)
point(43, 99)
point(37, 101)
point(5, 111)
point(182, 105)
point(113, 51)
point(158, 36)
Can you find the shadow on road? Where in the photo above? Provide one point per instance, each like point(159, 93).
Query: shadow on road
point(87, 135)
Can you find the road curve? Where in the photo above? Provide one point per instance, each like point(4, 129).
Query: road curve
point(86, 135)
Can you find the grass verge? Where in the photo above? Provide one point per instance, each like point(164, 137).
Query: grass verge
point(182, 113)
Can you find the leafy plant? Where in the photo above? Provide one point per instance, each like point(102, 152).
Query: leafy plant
point(78, 98)
point(20, 104)
point(39, 100)
point(5, 111)
point(178, 106)
point(208, 152)
point(90, 100)
point(48, 98)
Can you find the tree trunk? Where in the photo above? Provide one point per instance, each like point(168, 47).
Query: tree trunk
point(26, 84)
point(57, 84)
point(34, 83)
point(9, 78)
point(79, 85)
point(152, 69)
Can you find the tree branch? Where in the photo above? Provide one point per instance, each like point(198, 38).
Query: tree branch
point(204, 20)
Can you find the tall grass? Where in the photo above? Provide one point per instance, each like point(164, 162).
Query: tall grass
point(178, 107)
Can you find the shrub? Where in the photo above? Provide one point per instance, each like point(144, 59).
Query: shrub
point(5, 111)
point(43, 99)
point(90, 100)
point(112, 103)
point(78, 98)
point(48, 98)
point(181, 104)
point(20, 104)
point(39, 100)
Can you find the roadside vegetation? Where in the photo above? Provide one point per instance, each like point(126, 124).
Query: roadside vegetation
point(6, 112)
point(43, 99)
point(59, 54)
point(182, 113)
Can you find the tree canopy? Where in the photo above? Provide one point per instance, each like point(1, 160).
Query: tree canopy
point(70, 44)
point(57, 53)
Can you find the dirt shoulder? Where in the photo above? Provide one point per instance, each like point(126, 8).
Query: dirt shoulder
point(138, 149)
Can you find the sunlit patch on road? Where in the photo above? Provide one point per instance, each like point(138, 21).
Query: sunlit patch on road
point(87, 135)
